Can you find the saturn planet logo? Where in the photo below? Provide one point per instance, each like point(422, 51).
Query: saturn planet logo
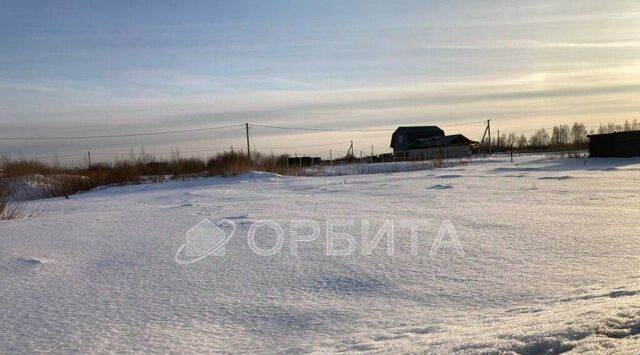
point(204, 239)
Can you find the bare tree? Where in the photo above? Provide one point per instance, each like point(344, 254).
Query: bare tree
point(522, 141)
point(540, 138)
point(560, 135)
point(579, 133)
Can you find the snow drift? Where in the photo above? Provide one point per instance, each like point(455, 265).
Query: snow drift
point(551, 257)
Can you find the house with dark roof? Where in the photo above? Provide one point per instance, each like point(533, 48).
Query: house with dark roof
point(426, 142)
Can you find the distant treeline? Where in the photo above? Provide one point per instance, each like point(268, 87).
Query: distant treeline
point(561, 136)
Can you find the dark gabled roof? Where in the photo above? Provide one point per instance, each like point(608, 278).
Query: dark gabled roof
point(629, 133)
point(418, 129)
point(415, 132)
point(441, 141)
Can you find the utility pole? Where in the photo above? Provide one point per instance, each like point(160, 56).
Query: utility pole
point(89, 155)
point(489, 128)
point(248, 146)
point(499, 141)
point(371, 154)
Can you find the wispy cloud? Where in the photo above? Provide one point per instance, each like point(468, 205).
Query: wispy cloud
point(344, 65)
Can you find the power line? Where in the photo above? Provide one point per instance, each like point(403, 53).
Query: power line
point(123, 135)
point(545, 128)
point(55, 156)
point(116, 154)
point(214, 128)
point(351, 130)
point(462, 124)
point(308, 146)
point(322, 129)
point(205, 129)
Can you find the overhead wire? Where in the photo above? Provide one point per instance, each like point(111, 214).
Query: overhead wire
point(308, 146)
point(123, 135)
point(141, 134)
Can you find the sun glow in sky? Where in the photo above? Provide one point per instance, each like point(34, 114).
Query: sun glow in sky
point(94, 68)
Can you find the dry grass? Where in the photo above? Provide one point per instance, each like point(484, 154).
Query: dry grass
point(228, 164)
point(234, 163)
point(13, 209)
point(67, 181)
point(21, 167)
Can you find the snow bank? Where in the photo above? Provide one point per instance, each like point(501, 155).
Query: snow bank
point(257, 176)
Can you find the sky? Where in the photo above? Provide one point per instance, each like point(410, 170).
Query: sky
point(70, 68)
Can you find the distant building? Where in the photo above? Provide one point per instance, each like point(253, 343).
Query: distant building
point(619, 144)
point(303, 161)
point(428, 142)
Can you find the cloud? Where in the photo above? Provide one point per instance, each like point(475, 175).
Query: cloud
point(592, 95)
point(524, 66)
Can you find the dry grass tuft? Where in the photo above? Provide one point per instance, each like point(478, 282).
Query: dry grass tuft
point(13, 209)
point(233, 163)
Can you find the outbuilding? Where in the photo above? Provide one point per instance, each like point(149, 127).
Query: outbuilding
point(618, 144)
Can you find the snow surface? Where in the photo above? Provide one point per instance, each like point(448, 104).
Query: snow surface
point(551, 265)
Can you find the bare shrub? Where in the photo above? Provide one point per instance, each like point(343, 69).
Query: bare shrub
point(186, 166)
point(65, 185)
point(228, 163)
point(16, 168)
point(231, 163)
point(273, 163)
point(12, 209)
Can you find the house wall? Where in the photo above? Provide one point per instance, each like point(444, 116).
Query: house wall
point(622, 144)
point(446, 152)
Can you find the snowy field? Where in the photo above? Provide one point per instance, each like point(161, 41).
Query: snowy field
point(551, 264)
